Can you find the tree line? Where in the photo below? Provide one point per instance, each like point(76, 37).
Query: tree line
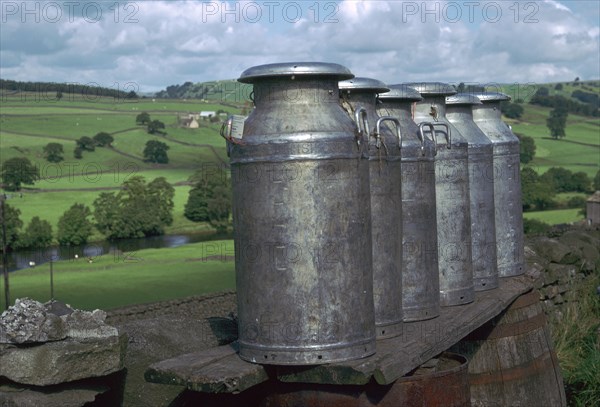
point(138, 209)
point(542, 97)
point(71, 88)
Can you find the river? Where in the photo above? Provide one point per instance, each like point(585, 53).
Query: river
point(19, 260)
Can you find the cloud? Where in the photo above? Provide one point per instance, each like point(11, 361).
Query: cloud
point(160, 43)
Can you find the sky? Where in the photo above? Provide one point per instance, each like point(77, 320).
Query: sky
point(148, 45)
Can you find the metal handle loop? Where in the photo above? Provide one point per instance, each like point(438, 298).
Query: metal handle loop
point(378, 129)
point(360, 115)
point(448, 136)
point(433, 137)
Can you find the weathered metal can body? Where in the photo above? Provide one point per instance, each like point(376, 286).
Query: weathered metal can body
point(358, 97)
point(481, 190)
point(452, 196)
point(507, 184)
point(302, 225)
point(420, 280)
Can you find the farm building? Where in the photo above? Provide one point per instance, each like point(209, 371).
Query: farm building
point(207, 115)
point(189, 121)
point(592, 209)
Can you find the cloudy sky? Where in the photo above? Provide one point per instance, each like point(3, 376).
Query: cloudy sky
point(153, 44)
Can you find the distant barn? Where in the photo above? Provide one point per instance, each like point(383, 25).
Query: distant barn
point(592, 209)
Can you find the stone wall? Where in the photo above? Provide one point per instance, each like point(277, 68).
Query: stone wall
point(564, 262)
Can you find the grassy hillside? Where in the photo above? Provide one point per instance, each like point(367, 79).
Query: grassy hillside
point(28, 123)
point(578, 151)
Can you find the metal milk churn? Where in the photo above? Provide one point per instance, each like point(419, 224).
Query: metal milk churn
point(452, 196)
point(302, 227)
point(507, 184)
point(358, 97)
point(420, 280)
point(481, 190)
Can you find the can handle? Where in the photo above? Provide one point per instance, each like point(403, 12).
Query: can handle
point(448, 136)
point(360, 117)
point(378, 130)
point(433, 137)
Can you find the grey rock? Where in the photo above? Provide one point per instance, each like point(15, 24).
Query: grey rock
point(84, 324)
point(555, 251)
point(16, 396)
point(560, 273)
point(62, 361)
point(29, 322)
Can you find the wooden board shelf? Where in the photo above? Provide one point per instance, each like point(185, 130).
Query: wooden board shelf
point(220, 370)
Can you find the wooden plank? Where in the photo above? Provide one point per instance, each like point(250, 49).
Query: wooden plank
point(220, 370)
point(229, 375)
point(177, 370)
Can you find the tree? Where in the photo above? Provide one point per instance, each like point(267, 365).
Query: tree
point(210, 201)
point(74, 227)
point(156, 152)
point(596, 182)
point(59, 95)
point(527, 148)
point(156, 126)
point(558, 86)
point(38, 234)
point(53, 152)
point(103, 139)
point(142, 118)
point(557, 122)
point(137, 210)
point(536, 193)
point(511, 110)
point(78, 153)
point(13, 225)
point(17, 171)
point(580, 182)
point(559, 178)
point(86, 143)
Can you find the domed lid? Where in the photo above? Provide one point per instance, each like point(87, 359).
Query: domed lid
point(492, 96)
point(364, 84)
point(463, 99)
point(402, 92)
point(295, 68)
point(433, 88)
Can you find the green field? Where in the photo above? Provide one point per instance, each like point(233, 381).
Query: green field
point(578, 151)
point(28, 123)
point(555, 217)
point(115, 280)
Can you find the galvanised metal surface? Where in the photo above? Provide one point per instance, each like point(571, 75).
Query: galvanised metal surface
point(481, 190)
point(420, 279)
point(452, 195)
point(302, 225)
point(507, 184)
point(358, 95)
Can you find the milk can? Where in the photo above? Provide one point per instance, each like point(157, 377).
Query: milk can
point(420, 280)
point(358, 97)
point(507, 184)
point(452, 196)
point(481, 190)
point(302, 225)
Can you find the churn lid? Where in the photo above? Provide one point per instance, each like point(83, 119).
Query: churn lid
point(364, 84)
point(492, 96)
point(433, 88)
point(294, 69)
point(463, 99)
point(403, 92)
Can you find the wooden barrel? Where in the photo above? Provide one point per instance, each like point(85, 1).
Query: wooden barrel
point(444, 385)
point(512, 360)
